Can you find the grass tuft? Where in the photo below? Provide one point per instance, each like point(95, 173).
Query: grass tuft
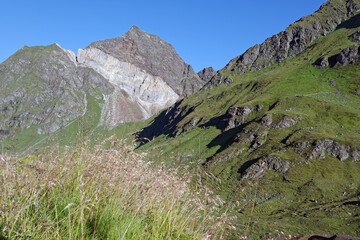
point(102, 193)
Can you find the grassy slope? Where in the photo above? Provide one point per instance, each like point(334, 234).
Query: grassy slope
point(310, 197)
point(100, 194)
point(78, 130)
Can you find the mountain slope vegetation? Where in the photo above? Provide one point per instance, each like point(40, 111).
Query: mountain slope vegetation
point(285, 137)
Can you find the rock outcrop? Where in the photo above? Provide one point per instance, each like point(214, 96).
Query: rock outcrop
point(355, 37)
point(207, 74)
point(285, 122)
point(236, 116)
point(346, 57)
point(149, 54)
point(294, 40)
point(142, 93)
point(317, 149)
point(259, 168)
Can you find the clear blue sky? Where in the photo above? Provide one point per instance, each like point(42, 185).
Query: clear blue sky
point(204, 33)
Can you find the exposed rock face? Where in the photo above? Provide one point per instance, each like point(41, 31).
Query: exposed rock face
point(42, 85)
point(285, 122)
point(235, 116)
point(266, 120)
point(4, 132)
point(145, 69)
point(228, 81)
point(135, 75)
point(347, 56)
point(120, 107)
point(322, 62)
point(146, 94)
point(317, 149)
point(207, 74)
point(294, 40)
point(355, 37)
point(256, 136)
point(150, 54)
point(258, 169)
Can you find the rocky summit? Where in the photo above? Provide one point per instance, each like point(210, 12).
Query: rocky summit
point(132, 77)
point(147, 70)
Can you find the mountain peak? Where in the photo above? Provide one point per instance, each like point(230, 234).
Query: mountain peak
point(138, 34)
point(134, 28)
point(154, 56)
point(146, 71)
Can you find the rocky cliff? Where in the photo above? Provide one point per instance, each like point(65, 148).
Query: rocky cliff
point(207, 74)
point(293, 40)
point(43, 86)
point(147, 70)
point(133, 77)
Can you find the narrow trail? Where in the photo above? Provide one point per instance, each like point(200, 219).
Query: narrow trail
point(313, 94)
point(29, 149)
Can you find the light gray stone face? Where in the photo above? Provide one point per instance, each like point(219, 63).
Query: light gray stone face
point(152, 93)
point(134, 77)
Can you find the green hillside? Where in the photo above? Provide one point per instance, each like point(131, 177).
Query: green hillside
point(285, 138)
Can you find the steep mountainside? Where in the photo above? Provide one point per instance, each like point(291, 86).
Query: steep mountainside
point(152, 55)
point(281, 136)
point(295, 39)
point(44, 87)
point(127, 78)
point(146, 67)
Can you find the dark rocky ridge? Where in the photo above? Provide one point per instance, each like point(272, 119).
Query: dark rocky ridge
point(295, 39)
point(155, 56)
point(317, 149)
point(347, 56)
point(207, 74)
point(259, 168)
point(355, 37)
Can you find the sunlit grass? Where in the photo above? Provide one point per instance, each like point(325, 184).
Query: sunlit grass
point(100, 194)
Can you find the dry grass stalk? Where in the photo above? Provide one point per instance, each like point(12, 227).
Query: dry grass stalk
point(102, 193)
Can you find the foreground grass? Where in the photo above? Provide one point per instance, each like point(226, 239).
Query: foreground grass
point(99, 194)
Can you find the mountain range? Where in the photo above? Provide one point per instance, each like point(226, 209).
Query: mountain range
point(135, 76)
point(278, 126)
